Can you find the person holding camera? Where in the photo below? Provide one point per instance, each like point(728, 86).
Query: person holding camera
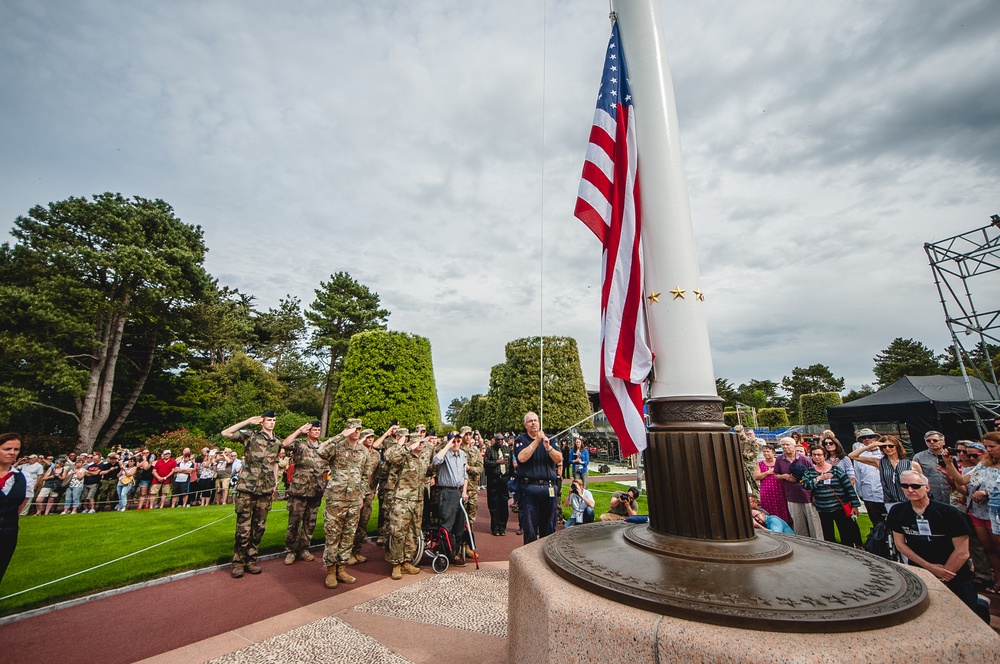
point(581, 501)
point(623, 505)
point(933, 461)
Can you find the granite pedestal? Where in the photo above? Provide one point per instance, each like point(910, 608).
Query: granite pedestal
point(551, 620)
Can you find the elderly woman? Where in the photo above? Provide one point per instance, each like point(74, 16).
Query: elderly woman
point(834, 498)
point(890, 466)
point(772, 496)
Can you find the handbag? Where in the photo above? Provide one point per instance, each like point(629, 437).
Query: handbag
point(65, 480)
point(127, 479)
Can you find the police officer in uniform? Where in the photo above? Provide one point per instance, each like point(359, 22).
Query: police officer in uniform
point(255, 489)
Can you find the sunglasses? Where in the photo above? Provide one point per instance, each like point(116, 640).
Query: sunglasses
point(829, 442)
point(912, 486)
point(973, 455)
point(887, 447)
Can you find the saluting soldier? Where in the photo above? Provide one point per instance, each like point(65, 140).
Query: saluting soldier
point(305, 491)
point(387, 487)
point(348, 460)
point(410, 463)
point(474, 468)
point(255, 488)
point(370, 485)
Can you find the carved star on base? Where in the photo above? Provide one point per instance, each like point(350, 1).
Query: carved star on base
point(653, 297)
point(678, 292)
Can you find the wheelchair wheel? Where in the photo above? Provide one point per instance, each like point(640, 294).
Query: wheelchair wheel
point(440, 563)
point(418, 554)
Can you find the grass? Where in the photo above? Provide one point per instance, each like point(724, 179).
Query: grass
point(54, 547)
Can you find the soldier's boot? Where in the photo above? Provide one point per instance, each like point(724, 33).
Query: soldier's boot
point(306, 556)
point(468, 552)
point(352, 560)
point(331, 577)
point(410, 569)
point(397, 572)
point(343, 576)
point(358, 558)
point(237, 571)
point(289, 558)
point(253, 568)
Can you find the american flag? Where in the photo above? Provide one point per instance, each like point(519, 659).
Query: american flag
point(608, 203)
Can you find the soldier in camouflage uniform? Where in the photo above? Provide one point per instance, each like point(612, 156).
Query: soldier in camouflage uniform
point(371, 484)
point(474, 469)
point(749, 450)
point(349, 461)
point(255, 489)
point(387, 486)
point(410, 462)
point(305, 491)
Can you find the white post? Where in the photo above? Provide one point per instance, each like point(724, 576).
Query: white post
point(678, 330)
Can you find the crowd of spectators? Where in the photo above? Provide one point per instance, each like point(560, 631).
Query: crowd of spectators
point(127, 479)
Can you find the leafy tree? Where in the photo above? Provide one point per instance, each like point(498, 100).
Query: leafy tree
point(812, 407)
point(904, 357)
point(386, 376)
point(342, 308)
point(231, 392)
point(278, 333)
point(476, 414)
point(88, 283)
point(864, 391)
point(726, 392)
point(759, 394)
point(517, 388)
point(222, 325)
point(815, 378)
point(454, 408)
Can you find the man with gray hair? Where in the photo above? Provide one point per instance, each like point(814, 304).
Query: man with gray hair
point(933, 535)
point(932, 462)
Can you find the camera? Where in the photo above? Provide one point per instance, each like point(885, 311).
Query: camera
point(953, 451)
point(573, 488)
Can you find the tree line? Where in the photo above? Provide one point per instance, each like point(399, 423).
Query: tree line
point(113, 330)
point(902, 357)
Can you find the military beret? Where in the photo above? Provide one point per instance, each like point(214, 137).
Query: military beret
point(354, 423)
point(465, 430)
point(268, 413)
point(367, 432)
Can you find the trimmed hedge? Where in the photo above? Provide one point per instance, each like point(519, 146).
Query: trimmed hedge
point(387, 375)
point(773, 418)
point(812, 407)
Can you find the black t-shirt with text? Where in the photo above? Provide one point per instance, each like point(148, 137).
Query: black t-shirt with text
point(945, 523)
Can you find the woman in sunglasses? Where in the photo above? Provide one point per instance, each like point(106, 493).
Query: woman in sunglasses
point(834, 498)
point(983, 486)
point(892, 464)
point(837, 455)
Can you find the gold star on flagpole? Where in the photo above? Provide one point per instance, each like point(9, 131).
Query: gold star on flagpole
point(678, 292)
point(699, 295)
point(653, 297)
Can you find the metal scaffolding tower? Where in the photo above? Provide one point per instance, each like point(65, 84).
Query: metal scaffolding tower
point(956, 262)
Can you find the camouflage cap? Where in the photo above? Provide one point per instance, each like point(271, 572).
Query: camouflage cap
point(420, 427)
point(416, 436)
point(367, 432)
point(402, 432)
point(465, 430)
point(353, 423)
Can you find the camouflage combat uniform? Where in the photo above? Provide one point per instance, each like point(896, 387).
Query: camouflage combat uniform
point(387, 486)
point(407, 502)
point(254, 490)
point(370, 485)
point(305, 494)
point(749, 450)
point(348, 469)
point(474, 464)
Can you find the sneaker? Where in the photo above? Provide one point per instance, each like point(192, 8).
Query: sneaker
point(306, 556)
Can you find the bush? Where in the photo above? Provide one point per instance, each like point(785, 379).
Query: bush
point(812, 407)
point(175, 441)
point(772, 418)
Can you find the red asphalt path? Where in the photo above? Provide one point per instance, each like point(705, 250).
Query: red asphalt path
point(137, 624)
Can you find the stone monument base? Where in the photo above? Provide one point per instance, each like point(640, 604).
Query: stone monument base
point(551, 620)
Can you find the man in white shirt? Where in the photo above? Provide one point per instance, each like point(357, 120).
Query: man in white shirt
point(31, 471)
point(869, 484)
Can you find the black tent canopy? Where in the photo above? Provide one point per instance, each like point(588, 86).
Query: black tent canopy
point(922, 403)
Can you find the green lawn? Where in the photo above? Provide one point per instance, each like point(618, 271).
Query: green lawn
point(53, 547)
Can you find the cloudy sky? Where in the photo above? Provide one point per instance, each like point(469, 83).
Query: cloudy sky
point(433, 149)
